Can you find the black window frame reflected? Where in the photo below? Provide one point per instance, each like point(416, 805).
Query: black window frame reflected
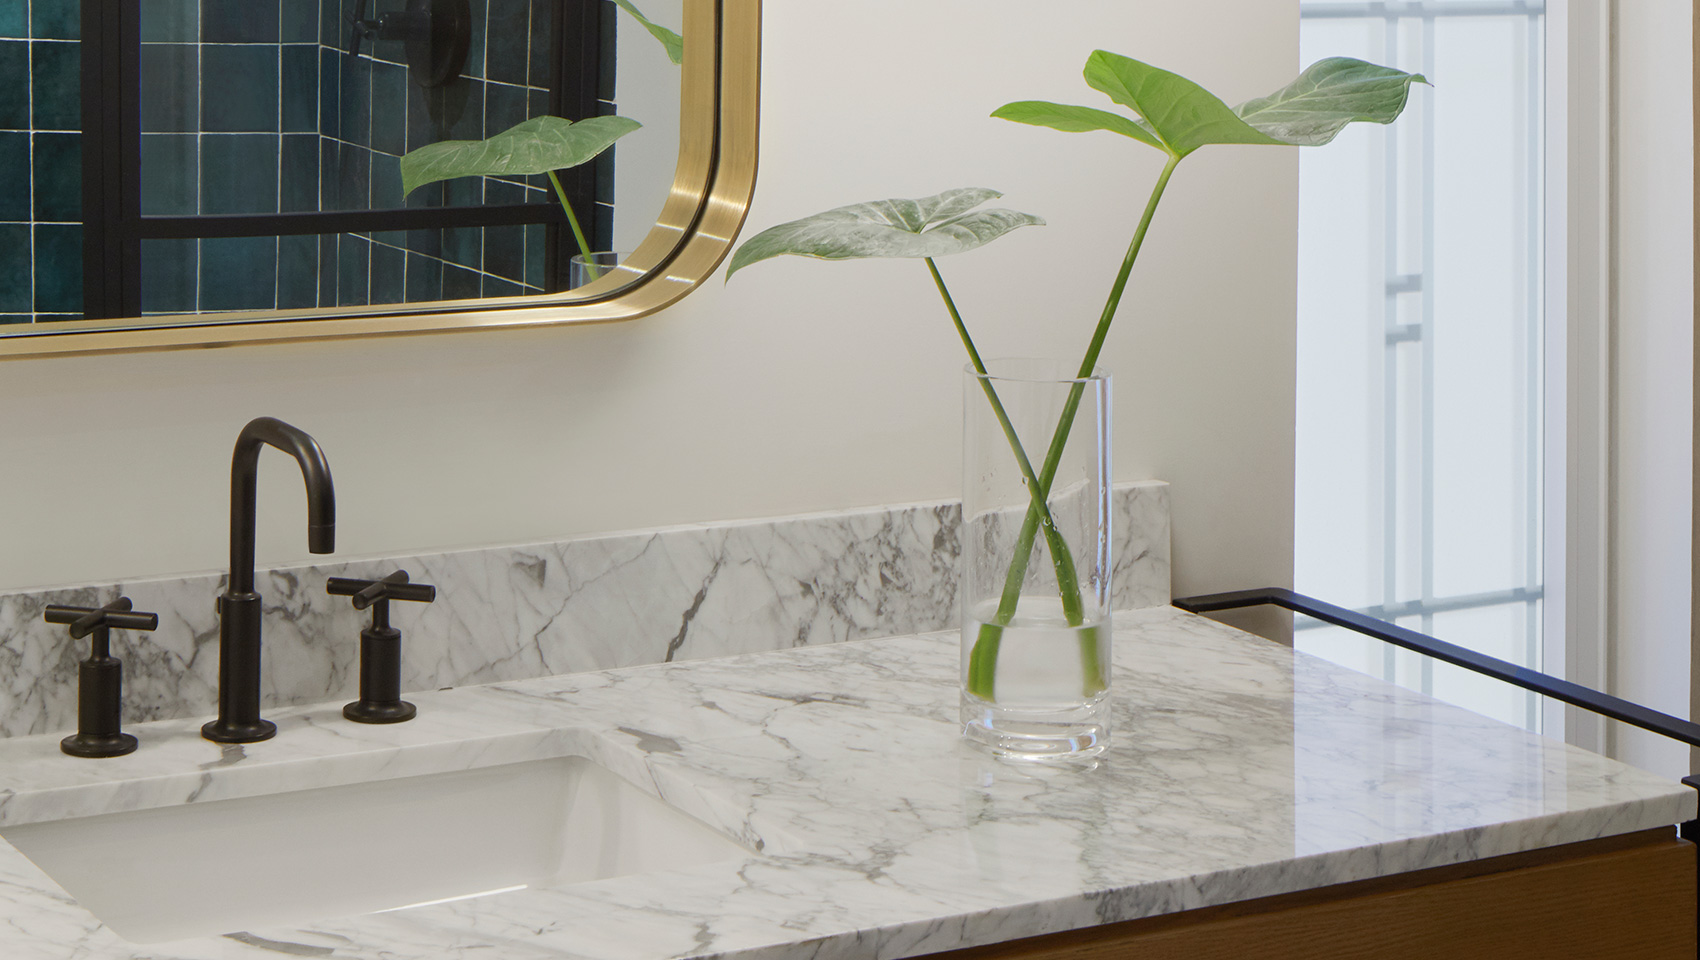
point(114, 227)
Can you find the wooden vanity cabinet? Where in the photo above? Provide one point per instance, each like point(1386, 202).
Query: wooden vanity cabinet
point(1630, 897)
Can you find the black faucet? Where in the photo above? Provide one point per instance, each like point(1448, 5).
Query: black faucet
point(239, 609)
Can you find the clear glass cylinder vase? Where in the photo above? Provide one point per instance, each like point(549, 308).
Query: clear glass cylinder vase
point(1035, 584)
point(582, 272)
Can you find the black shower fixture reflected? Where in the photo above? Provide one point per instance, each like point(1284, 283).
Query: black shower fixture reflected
point(438, 34)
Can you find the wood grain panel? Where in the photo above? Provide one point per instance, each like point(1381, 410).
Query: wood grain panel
point(1613, 899)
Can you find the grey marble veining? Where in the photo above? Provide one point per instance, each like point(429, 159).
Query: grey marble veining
point(533, 610)
point(1238, 769)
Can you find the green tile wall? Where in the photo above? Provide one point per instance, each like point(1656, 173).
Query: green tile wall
point(16, 269)
point(371, 114)
point(59, 269)
point(230, 125)
point(253, 106)
point(14, 158)
point(55, 85)
point(55, 19)
point(40, 162)
point(293, 124)
point(14, 20)
point(171, 21)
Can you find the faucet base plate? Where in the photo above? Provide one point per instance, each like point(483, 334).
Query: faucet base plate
point(236, 731)
point(374, 711)
point(98, 745)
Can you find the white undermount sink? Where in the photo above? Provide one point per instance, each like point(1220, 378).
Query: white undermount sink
point(290, 858)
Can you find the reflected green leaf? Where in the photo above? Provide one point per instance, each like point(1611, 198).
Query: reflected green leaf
point(672, 42)
point(538, 145)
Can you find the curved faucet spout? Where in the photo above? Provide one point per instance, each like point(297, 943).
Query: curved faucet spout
point(244, 475)
point(240, 610)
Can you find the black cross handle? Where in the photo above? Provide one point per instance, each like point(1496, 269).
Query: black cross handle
point(380, 645)
point(100, 678)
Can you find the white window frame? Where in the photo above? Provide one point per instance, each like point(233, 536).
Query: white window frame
point(1620, 441)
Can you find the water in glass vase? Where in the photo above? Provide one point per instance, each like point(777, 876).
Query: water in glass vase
point(1039, 688)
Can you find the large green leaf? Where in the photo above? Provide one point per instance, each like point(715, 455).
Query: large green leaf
point(1182, 114)
point(933, 226)
point(1071, 119)
point(538, 145)
point(1331, 93)
point(1178, 116)
point(674, 44)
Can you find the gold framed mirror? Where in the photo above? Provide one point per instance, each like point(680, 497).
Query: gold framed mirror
point(700, 213)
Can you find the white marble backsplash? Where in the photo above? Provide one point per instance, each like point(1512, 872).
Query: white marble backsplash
point(534, 610)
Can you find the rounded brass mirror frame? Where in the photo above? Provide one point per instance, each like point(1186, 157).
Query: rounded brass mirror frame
point(701, 217)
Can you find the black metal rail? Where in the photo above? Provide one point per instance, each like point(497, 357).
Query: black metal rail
point(215, 225)
point(1574, 694)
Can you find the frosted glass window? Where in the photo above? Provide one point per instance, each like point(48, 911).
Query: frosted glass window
point(1420, 317)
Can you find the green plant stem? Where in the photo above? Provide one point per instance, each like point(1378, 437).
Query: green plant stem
point(578, 232)
point(1061, 557)
point(982, 670)
point(991, 633)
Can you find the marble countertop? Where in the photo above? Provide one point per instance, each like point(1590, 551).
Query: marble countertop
point(1237, 769)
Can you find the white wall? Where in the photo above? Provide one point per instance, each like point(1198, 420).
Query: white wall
point(1652, 372)
point(802, 386)
point(647, 90)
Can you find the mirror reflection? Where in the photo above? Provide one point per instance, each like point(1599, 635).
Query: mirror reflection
point(208, 156)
